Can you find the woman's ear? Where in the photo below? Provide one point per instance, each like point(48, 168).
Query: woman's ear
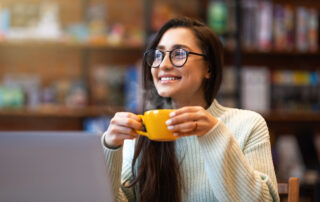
point(208, 74)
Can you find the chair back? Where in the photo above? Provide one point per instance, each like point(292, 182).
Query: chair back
point(289, 191)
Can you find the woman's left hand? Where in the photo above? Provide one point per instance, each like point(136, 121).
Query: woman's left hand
point(193, 120)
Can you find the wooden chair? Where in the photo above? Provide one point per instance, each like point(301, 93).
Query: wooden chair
point(289, 191)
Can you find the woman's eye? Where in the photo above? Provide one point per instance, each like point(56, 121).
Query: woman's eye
point(158, 55)
point(179, 54)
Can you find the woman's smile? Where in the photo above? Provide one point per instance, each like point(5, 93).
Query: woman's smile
point(169, 79)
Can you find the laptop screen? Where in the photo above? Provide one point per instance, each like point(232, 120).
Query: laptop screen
point(53, 166)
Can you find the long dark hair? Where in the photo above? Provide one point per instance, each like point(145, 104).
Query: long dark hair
point(158, 174)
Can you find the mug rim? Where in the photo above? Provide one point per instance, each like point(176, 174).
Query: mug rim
point(158, 110)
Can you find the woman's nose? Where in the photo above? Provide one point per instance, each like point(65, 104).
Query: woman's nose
point(166, 63)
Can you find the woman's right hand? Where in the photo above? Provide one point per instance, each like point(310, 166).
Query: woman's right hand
point(122, 126)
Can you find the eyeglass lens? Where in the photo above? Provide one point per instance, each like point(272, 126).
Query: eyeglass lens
point(177, 57)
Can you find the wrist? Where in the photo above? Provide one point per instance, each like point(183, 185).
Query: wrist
point(110, 145)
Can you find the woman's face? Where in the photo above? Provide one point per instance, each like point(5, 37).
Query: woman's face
point(185, 84)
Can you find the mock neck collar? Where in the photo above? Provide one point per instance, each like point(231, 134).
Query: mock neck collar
point(216, 109)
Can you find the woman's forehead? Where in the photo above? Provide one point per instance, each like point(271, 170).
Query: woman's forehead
point(180, 36)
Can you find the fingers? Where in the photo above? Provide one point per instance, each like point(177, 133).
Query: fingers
point(188, 121)
point(183, 127)
point(127, 115)
point(125, 131)
point(122, 126)
point(185, 117)
point(116, 140)
point(185, 110)
point(198, 130)
point(127, 120)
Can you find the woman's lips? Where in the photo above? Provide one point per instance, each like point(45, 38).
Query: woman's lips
point(168, 79)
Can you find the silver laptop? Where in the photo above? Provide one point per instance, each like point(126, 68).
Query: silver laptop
point(53, 166)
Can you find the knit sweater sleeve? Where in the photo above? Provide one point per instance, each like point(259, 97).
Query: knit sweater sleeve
point(237, 174)
point(119, 165)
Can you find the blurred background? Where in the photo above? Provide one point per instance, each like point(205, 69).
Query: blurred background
point(70, 65)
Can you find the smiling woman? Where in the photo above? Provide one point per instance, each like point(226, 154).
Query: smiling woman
point(221, 154)
point(186, 86)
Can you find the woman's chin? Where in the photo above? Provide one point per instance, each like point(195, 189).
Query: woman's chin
point(165, 94)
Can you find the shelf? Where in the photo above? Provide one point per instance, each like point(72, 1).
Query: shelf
point(55, 44)
point(281, 122)
point(60, 111)
point(309, 4)
point(277, 59)
point(66, 118)
point(91, 111)
point(284, 116)
point(70, 45)
point(293, 52)
point(281, 53)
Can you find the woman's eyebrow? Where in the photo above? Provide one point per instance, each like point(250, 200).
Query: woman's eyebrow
point(161, 47)
point(180, 46)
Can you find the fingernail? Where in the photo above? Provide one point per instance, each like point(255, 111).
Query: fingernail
point(168, 122)
point(172, 114)
point(170, 127)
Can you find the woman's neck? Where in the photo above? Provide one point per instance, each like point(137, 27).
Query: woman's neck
point(183, 103)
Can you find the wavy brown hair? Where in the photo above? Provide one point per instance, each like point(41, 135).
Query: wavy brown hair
point(157, 175)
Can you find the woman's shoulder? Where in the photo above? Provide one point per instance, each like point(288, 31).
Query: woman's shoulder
point(223, 112)
point(244, 124)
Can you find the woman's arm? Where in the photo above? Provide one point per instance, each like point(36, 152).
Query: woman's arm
point(119, 165)
point(237, 174)
point(122, 127)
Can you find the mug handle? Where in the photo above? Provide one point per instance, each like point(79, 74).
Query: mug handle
point(139, 131)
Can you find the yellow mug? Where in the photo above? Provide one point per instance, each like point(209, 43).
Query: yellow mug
point(155, 124)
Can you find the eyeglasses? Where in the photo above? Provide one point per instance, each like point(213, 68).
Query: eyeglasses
point(178, 57)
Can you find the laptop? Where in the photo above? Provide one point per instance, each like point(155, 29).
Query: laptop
point(53, 166)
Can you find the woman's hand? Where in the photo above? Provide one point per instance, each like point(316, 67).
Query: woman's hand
point(122, 126)
point(188, 121)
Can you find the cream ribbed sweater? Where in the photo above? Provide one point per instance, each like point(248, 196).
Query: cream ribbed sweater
point(232, 162)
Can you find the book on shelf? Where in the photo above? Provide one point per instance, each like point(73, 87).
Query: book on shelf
point(313, 31)
point(294, 90)
point(270, 26)
point(288, 158)
point(227, 92)
point(302, 29)
point(289, 24)
point(249, 22)
point(255, 88)
point(264, 25)
point(296, 155)
point(256, 31)
point(283, 28)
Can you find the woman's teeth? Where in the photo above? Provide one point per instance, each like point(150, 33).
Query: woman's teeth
point(168, 78)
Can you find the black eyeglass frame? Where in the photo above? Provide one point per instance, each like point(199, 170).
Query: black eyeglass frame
point(170, 56)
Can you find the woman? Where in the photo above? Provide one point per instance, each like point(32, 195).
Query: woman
point(223, 154)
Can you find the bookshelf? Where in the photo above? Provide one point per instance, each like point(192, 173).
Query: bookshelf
point(87, 41)
point(83, 55)
point(298, 64)
point(57, 116)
